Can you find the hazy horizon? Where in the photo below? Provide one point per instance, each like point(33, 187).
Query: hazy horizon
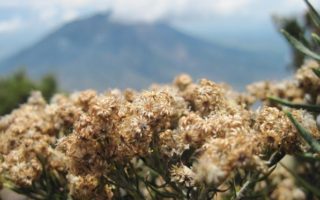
point(221, 21)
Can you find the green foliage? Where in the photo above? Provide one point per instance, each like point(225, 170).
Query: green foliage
point(16, 88)
point(310, 157)
point(48, 86)
point(300, 46)
point(309, 49)
point(308, 107)
point(296, 30)
point(305, 184)
point(314, 144)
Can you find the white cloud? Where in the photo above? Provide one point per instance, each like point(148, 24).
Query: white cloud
point(55, 11)
point(10, 25)
point(70, 15)
point(230, 7)
point(48, 15)
point(39, 4)
point(147, 10)
point(141, 9)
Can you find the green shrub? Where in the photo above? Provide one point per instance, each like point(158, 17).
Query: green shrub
point(15, 89)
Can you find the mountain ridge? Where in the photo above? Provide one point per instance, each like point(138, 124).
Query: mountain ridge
point(96, 52)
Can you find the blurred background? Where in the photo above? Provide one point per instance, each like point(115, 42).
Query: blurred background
point(70, 45)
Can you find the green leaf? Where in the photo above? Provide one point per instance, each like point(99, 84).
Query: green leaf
point(317, 72)
point(300, 46)
point(314, 144)
point(316, 38)
point(304, 183)
point(313, 14)
point(308, 156)
point(308, 107)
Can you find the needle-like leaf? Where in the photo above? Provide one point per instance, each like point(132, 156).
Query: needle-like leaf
point(314, 144)
point(317, 72)
point(303, 182)
point(300, 46)
point(316, 38)
point(313, 14)
point(308, 107)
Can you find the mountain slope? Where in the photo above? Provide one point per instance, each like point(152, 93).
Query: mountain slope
point(98, 53)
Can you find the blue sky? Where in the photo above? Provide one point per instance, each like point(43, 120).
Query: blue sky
point(24, 21)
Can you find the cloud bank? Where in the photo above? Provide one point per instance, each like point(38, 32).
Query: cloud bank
point(7, 26)
point(53, 12)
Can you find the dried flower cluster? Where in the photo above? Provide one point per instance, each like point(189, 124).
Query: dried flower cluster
point(27, 132)
point(303, 88)
point(183, 141)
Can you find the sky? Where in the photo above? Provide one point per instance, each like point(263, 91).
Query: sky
point(22, 21)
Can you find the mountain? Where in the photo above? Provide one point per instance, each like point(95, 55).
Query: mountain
point(97, 52)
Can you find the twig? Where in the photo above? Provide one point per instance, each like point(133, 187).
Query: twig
point(275, 158)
